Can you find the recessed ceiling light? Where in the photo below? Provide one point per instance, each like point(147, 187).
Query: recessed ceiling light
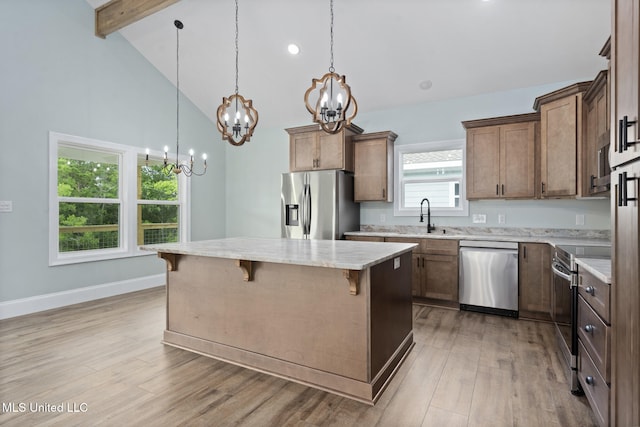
point(425, 84)
point(293, 49)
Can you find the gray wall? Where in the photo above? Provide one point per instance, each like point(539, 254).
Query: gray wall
point(57, 76)
point(256, 169)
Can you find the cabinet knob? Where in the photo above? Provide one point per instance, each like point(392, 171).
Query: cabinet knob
point(590, 290)
point(589, 328)
point(590, 380)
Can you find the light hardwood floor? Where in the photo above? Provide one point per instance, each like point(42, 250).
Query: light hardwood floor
point(105, 357)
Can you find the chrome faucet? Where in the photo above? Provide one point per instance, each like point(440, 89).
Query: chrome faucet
point(430, 227)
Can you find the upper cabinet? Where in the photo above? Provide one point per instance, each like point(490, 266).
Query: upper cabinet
point(561, 141)
point(310, 148)
point(501, 157)
point(595, 161)
point(625, 93)
point(373, 158)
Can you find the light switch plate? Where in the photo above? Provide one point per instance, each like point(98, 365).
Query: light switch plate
point(6, 206)
point(396, 263)
point(580, 219)
point(479, 218)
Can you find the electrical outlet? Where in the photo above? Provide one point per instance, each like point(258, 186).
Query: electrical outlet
point(479, 218)
point(6, 206)
point(580, 219)
point(383, 218)
point(501, 219)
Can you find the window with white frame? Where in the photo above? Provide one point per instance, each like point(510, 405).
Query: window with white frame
point(434, 170)
point(105, 200)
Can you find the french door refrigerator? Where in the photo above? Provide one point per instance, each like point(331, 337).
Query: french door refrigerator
point(318, 205)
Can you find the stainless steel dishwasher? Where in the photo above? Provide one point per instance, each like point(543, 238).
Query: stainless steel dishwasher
point(489, 277)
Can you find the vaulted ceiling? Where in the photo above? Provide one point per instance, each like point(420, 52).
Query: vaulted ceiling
point(385, 48)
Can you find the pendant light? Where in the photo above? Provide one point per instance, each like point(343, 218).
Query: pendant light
point(329, 98)
point(237, 118)
point(178, 167)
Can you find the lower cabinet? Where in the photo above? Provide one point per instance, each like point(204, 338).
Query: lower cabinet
point(435, 269)
point(534, 269)
point(594, 336)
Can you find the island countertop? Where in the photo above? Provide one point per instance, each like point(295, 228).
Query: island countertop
point(343, 254)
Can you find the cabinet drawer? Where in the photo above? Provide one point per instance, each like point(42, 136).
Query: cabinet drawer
point(594, 386)
point(365, 238)
point(416, 250)
point(440, 246)
point(596, 293)
point(595, 336)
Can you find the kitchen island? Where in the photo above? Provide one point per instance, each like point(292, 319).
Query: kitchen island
point(335, 315)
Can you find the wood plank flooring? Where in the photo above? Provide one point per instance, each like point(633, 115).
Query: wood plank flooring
point(104, 360)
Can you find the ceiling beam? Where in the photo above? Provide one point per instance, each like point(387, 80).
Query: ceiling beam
point(117, 14)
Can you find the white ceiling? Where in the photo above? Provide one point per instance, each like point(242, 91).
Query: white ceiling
point(385, 49)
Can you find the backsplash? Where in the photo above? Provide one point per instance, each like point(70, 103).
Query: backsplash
point(491, 231)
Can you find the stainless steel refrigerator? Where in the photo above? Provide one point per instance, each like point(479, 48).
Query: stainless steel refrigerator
point(318, 205)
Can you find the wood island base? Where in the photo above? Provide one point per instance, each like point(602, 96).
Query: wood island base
point(344, 331)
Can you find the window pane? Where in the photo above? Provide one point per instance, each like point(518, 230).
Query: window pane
point(432, 164)
point(87, 173)
point(88, 226)
point(441, 194)
point(154, 184)
point(157, 224)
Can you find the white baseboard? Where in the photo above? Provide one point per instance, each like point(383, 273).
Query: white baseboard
point(20, 307)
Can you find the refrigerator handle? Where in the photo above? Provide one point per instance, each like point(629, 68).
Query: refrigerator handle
point(306, 210)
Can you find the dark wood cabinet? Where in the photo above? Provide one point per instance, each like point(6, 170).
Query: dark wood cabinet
point(561, 141)
point(310, 148)
point(373, 164)
point(435, 269)
point(534, 270)
point(596, 172)
point(501, 157)
point(625, 295)
point(625, 215)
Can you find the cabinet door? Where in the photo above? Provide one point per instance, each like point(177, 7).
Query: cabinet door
point(560, 133)
point(625, 90)
point(596, 139)
point(517, 160)
point(534, 267)
point(483, 162)
point(440, 277)
point(370, 177)
point(330, 150)
point(625, 296)
point(302, 152)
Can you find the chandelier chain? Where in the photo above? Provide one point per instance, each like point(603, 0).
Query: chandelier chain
point(236, 47)
point(331, 69)
point(177, 93)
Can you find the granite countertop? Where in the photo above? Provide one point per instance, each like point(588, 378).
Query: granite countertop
point(342, 254)
point(552, 237)
point(599, 267)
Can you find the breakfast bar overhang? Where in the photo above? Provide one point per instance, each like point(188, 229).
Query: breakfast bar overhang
point(331, 314)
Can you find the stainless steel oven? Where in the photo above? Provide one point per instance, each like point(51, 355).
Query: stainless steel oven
point(564, 301)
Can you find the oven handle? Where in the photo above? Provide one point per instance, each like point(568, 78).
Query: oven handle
point(559, 270)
